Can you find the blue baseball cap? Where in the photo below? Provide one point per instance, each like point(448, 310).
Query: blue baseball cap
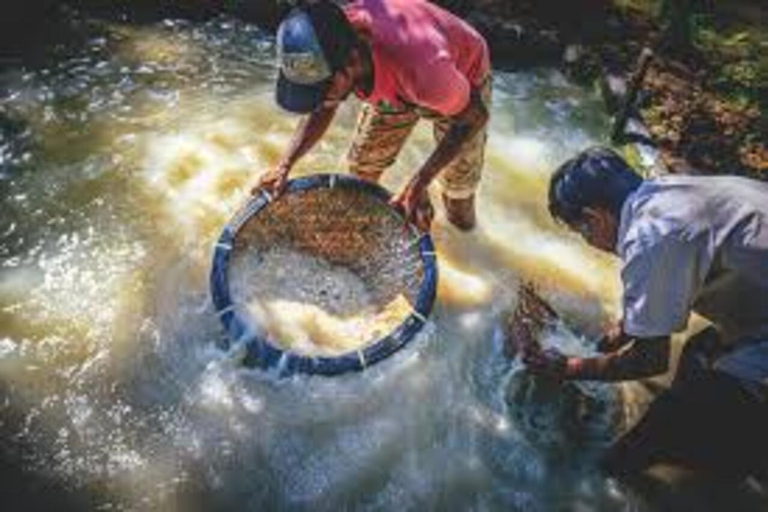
point(305, 74)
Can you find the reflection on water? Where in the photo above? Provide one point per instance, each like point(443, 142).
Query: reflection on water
point(120, 162)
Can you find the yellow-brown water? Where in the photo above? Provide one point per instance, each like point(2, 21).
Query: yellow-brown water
point(121, 161)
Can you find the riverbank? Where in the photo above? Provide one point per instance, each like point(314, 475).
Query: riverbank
point(703, 102)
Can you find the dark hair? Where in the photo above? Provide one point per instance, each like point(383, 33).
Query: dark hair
point(596, 177)
point(336, 35)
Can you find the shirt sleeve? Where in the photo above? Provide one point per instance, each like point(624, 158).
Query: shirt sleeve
point(661, 281)
point(441, 87)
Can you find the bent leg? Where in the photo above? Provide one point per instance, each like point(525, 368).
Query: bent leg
point(698, 353)
point(647, 443)
point(710, 423)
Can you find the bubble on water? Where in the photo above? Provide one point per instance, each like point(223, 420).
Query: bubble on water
point(7, 347)
point(80, 410)
point(215, 391)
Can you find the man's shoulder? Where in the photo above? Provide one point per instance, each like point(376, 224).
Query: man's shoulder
point(649, 208)
point(650, 225)
point(688, 206)
point(662, 208)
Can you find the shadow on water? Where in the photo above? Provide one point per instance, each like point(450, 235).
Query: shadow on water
point(20, 485)
point(34, 31)
point(34, 492)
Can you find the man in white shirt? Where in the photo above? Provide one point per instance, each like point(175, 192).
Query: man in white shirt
point(687, 244)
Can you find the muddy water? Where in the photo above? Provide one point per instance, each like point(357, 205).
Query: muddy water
point(119, 163)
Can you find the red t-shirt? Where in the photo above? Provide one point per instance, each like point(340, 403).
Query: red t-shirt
point(422, 54)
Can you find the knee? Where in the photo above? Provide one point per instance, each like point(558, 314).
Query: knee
point(698, 352)
point(705, 342)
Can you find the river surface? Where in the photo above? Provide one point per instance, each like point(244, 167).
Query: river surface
point(120, 161)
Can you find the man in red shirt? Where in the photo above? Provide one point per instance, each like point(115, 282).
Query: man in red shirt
point(406, 59)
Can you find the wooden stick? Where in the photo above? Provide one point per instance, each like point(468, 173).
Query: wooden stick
point(635, 85)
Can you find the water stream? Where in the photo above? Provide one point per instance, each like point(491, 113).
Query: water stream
point(120, 162)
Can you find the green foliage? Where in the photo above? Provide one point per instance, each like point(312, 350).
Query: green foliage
point(648, 7)
point(739, 59)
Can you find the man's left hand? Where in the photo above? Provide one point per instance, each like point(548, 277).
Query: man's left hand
point(416, 206)
point(549, 362)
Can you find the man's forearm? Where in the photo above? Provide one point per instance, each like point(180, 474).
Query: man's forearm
point(311, 129)
point(466, 125)
point(639, 359)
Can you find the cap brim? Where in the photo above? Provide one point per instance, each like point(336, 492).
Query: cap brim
point(298, 98)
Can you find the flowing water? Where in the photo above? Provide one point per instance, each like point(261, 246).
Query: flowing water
point(119, 164)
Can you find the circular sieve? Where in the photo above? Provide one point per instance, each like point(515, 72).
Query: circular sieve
point(329, 253)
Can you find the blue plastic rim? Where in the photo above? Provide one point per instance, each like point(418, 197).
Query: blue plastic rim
point(261, 353)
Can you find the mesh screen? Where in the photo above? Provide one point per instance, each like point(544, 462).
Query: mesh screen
point(346, 227)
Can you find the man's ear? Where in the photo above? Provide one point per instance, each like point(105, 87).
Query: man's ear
point(593, 214)
point(605, 227)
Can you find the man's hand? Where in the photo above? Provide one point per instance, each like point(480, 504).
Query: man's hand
point(549, 362)
point(614, 339)
point(273, 181)
point(416, 207)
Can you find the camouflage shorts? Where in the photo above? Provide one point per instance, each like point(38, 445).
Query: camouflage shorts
point(381, 133)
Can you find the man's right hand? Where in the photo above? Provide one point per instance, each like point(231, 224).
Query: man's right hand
point(614, 339)
point(415, 206)
point(273, 181)
point(549, 362)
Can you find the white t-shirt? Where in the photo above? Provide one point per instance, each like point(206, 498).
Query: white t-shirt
point(695, 243)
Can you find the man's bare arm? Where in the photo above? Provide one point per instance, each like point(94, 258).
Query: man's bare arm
point(642, 357)
point(310, 129)
point(465, 125)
